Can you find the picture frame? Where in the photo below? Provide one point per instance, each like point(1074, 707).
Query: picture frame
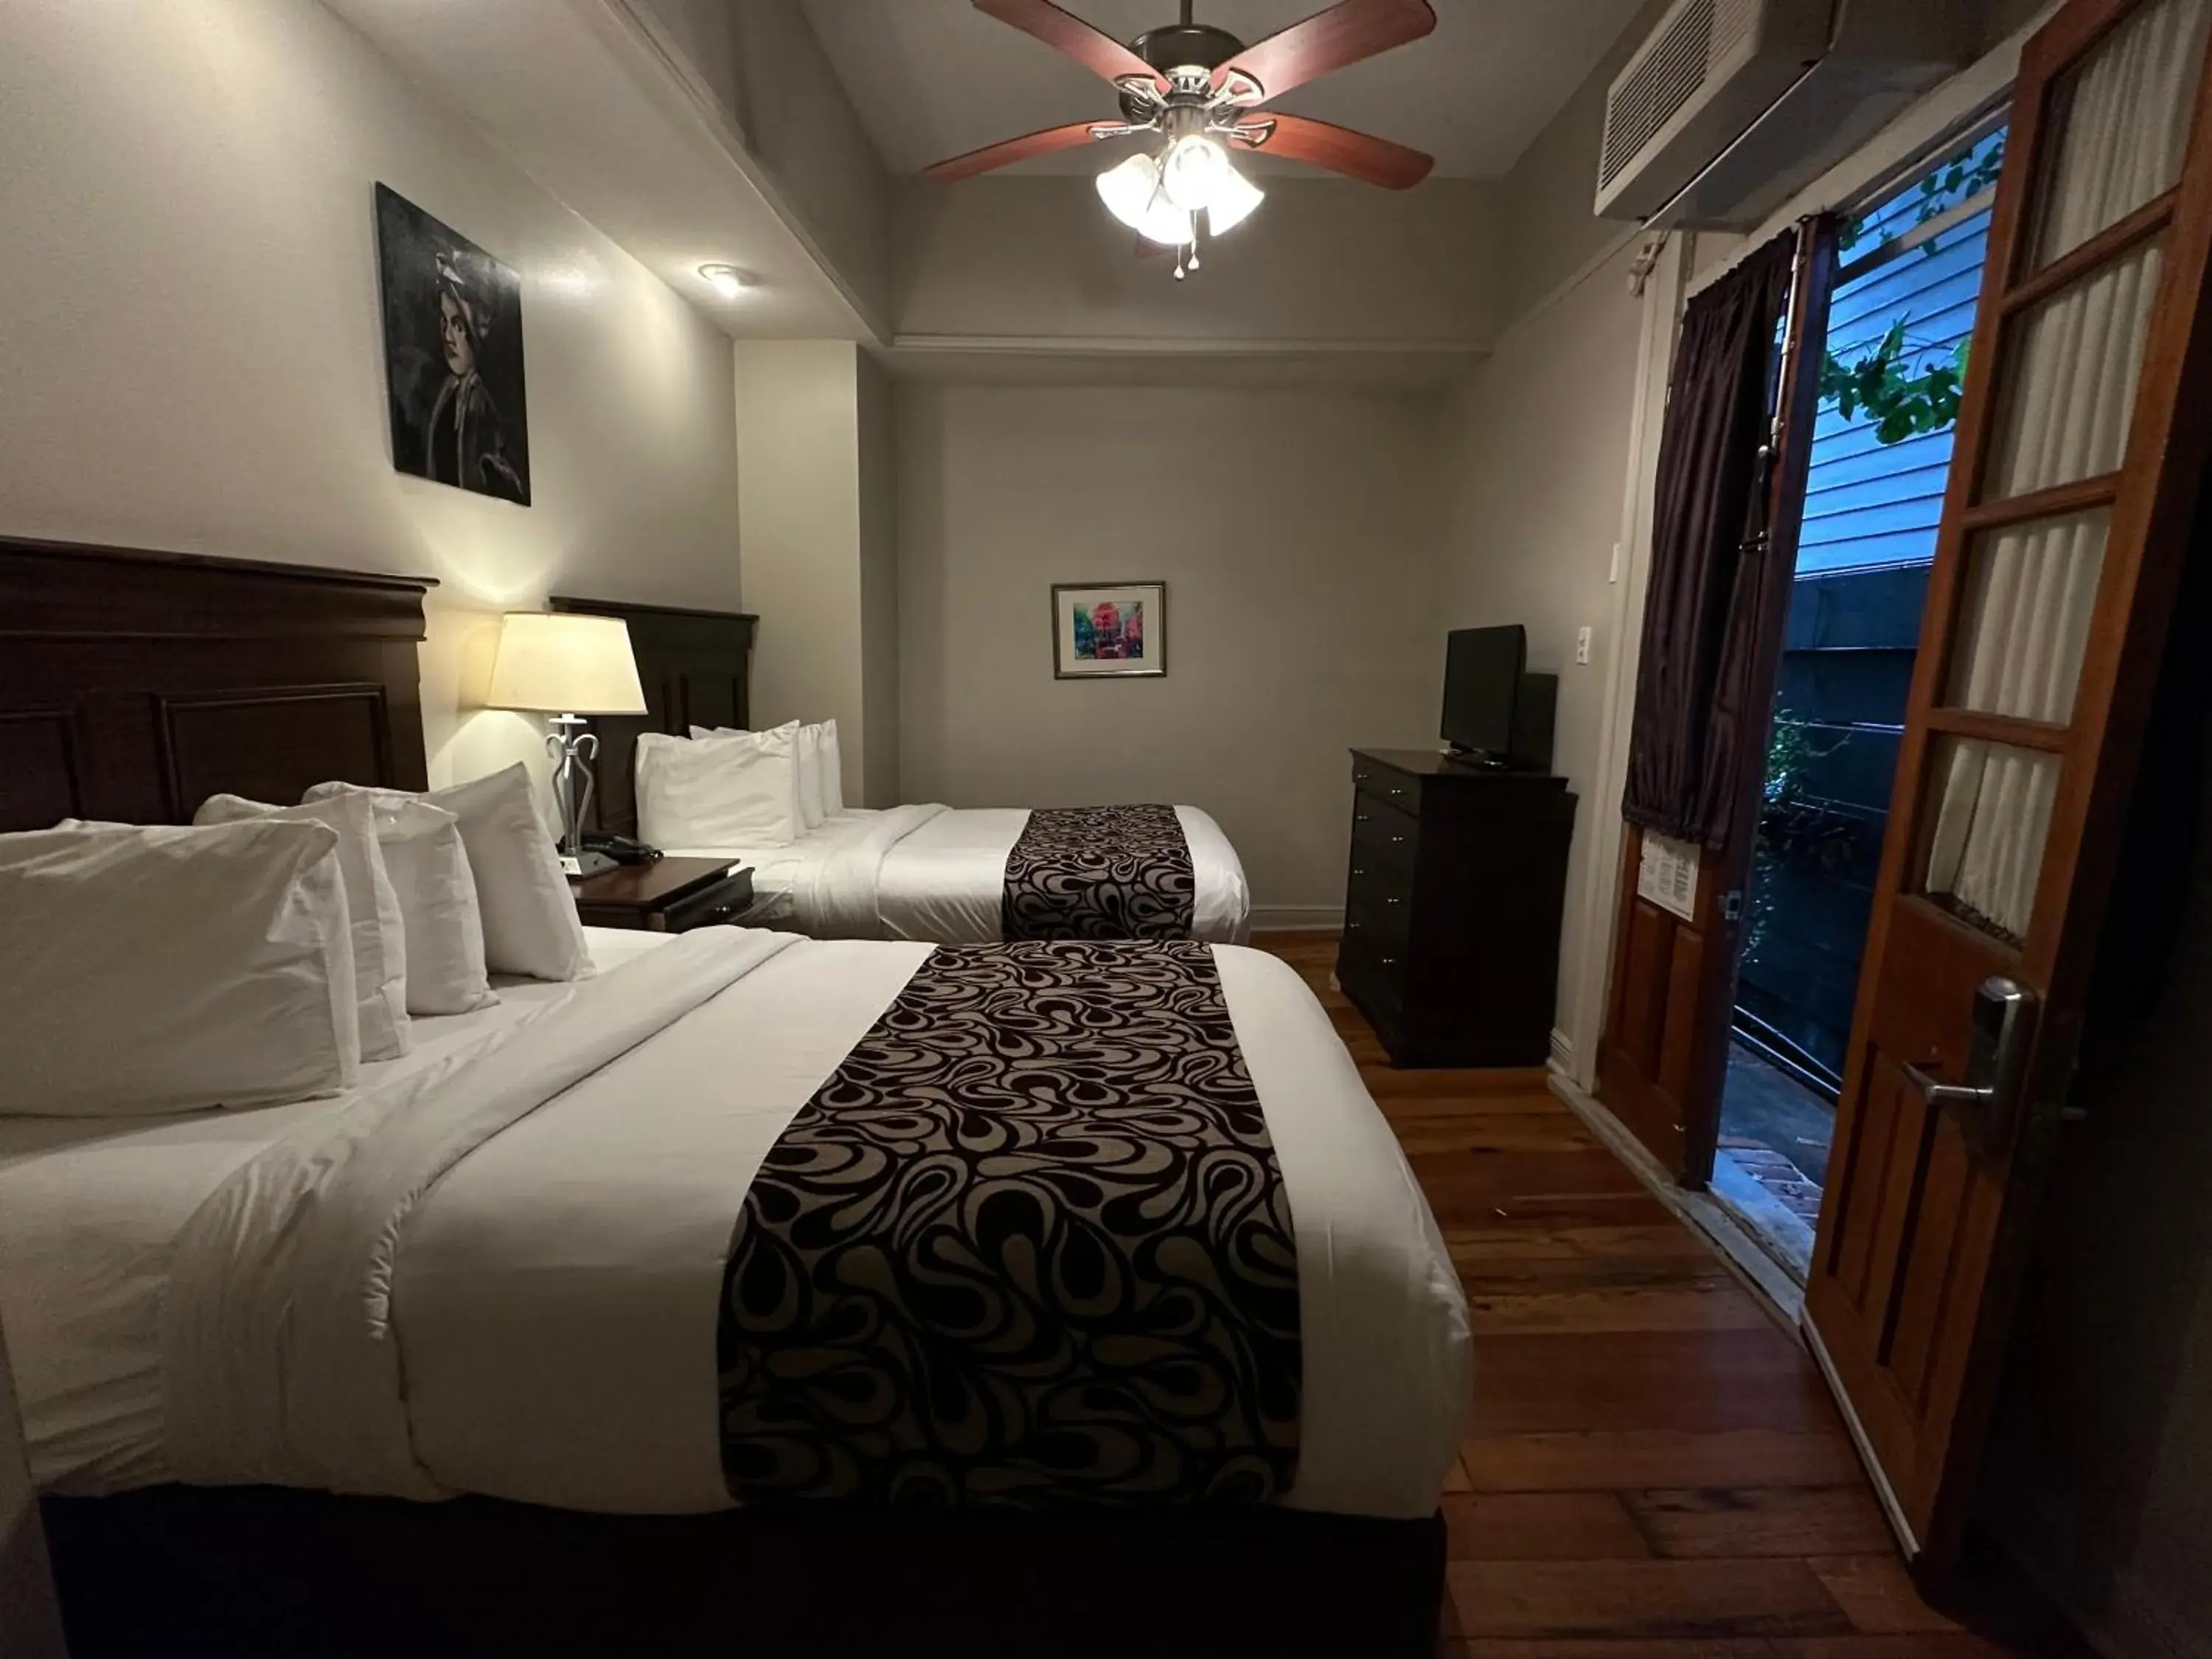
point(453, 354)
point(1110, 630)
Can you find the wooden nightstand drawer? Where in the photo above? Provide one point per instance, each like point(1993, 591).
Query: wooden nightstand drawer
point(718, 907)
point(672, 897)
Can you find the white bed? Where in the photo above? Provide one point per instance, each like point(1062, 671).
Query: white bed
point(554, 1280)
point(938, 873)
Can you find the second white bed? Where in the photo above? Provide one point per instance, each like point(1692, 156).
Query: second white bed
point(938, 874)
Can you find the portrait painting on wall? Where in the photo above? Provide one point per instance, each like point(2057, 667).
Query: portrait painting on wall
point(1110, 630)
point(453, 354)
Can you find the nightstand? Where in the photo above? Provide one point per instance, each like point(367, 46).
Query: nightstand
point(672, 897)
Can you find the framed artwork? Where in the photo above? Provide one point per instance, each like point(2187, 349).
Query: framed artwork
point(1108, 631)
point(453, 354)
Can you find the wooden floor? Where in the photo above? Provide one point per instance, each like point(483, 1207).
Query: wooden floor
point(1654, 1469)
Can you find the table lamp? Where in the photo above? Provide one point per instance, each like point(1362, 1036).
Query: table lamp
point(570, 667)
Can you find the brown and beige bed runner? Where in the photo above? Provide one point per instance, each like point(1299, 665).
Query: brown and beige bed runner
point(1099, 873)
point(1029, 1246)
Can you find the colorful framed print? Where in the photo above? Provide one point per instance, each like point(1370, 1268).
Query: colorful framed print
point(1103, 630)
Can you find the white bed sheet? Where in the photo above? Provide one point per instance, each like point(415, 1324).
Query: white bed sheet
point(91, 1207)
point(944, 883)
point(559, 1328)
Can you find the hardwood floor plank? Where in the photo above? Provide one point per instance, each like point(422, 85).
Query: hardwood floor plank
point(1578, 1461)
point(1760, 1521)
point(1878, 1594)
point(1946, 1644)
point(1721, 1307)
point(1543, 1527)
point(1548, 1382)
point(1630, 1600)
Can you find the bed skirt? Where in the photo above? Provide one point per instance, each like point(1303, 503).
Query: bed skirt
point(177, 1571)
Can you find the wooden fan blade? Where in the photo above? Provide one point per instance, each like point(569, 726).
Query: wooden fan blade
point(954, 169)
point(1099, 52)
point(1358, 154)
point(1346, 32)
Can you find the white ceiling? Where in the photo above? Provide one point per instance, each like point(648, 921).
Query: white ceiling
point(935, 78)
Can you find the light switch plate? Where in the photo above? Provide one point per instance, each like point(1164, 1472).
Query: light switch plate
point(1581, 645)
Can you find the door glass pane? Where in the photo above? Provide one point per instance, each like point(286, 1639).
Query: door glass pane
point(2119, 125)
point(2069, 373)
point(1993, 815)
point(2030, 590)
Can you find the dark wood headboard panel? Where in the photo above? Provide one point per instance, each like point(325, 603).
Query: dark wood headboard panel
point(135, 685)
point(696, 666)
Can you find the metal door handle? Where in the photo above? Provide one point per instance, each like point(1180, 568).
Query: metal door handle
point(1989, 1101)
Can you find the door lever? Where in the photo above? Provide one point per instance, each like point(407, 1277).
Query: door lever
point(1986, 1103)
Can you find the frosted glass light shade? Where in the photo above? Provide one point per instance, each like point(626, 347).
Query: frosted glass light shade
point(565, 665)
point(1192, 172)
point(1131, 191)
point(1233, 198)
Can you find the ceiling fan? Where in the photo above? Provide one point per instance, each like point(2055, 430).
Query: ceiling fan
point(1202, 87)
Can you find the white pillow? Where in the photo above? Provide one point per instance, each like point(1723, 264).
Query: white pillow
point(736, 792)
point(833, 772)
point(155, 969)
point(529, 917)
point(380, 941)
point(820, 793)
point(437, 893)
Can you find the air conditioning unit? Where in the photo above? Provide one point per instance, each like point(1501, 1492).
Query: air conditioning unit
point(1730, 106)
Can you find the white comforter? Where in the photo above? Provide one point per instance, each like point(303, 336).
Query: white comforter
point(497, 1270)
point(939, 873)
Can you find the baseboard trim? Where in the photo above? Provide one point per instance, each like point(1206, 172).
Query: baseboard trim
point(1563, 1053)
point(1302, 918)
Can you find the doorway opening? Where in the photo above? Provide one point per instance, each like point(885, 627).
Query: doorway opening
point(1893, 364)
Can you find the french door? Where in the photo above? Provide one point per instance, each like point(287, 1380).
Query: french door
point(2083, 440)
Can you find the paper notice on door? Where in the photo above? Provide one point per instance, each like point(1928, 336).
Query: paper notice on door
point(1667, 874)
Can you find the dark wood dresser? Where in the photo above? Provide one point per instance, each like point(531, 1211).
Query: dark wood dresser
point(1451, 926)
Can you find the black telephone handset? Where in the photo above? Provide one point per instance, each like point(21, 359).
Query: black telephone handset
point(623, 849)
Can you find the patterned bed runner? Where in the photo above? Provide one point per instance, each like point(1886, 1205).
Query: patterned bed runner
point(1029, 1246)
point(1099, 873)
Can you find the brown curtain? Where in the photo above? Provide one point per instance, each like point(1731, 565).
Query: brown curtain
point(1709, 572)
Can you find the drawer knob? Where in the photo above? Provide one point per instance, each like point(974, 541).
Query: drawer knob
point(1350, 926)
point(1361, 777)
point(1393, 900)
point(1394, 793)
point(1388, 962)
point(1397, 840)
point(1363, 818)
point(1359, 870)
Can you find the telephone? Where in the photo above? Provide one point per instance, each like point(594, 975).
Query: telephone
point(623, 849)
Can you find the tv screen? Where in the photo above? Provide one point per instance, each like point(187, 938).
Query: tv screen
point(1482, 681)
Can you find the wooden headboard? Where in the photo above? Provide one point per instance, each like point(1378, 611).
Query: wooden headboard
point(696, 666)
point(135, 685)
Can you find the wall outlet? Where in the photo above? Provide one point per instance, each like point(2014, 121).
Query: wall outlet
point(1581, 645)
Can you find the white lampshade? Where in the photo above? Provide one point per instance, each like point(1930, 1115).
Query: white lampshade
point(1192, 170)
point(1132, 193)
point(552, 664)
point(1233, 198)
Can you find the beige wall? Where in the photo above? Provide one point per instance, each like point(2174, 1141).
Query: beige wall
point(1326, 260)
point(880, 641)
point(814, 484)
point(1295, 531)
point(192, 354)
point(1538, 453)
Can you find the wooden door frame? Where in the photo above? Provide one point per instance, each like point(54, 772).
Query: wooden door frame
point(2118, 681)
point(1698, 1043)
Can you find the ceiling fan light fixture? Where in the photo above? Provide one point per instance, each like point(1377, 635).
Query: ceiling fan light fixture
point(1234, 198)
point(1192, 170)
point(1131, 191)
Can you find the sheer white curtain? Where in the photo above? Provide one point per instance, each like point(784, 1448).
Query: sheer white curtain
point(2121, 128)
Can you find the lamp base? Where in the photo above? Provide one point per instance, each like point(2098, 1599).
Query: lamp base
point(588, 864)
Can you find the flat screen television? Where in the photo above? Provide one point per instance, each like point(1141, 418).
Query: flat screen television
point(1483, 672)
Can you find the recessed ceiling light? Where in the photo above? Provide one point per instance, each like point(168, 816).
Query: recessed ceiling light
point(728, 281)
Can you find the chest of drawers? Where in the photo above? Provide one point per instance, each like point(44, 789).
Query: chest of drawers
point(1452, 908)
